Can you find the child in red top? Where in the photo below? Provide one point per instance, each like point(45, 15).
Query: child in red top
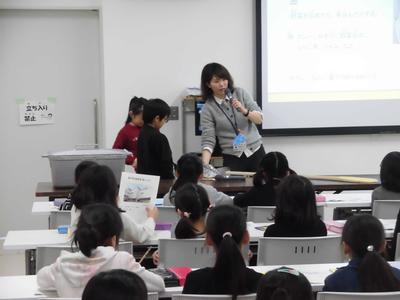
point(127, 137)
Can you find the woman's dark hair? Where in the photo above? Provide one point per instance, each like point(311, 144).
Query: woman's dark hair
point(136, 107)
point(153, 108)
point(97, 224)
point(273, 167)
point(189, 169)
point(217, 70)
point(97, 184)
point(83, 165)
point(295, 203)
point(226, 226)
point(284, 284)
point(115, 285)
point(390, 171)
point(365, 236)
point(192, 201)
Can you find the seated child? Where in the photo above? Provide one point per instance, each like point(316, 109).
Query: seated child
point(272, 169)
point(390, 178)
point(226, 232)
point(296, 210)
point(364, 242)
point(284, 284)
point(97, 184)
point(192, 205)
point(115, 285)
point(153, 150)
point(190, 169)
point(97, 235)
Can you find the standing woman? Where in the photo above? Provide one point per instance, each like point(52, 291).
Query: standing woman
point(128, 135)
point(231, 115)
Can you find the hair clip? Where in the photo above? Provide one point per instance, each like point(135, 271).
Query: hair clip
point(226, 234)
point(288, 271)
point(183, 214)
point(370, 248)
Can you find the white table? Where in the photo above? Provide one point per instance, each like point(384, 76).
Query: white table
point(345, 199)
point(13, 287)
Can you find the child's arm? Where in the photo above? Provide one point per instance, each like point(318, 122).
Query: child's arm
point(46, 277)
point(154, 282)
point(137, 232)
point(165, 158)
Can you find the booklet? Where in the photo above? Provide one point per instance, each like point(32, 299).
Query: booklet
point(136, 192)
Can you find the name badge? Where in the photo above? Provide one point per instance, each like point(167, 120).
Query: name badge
point(239, 143)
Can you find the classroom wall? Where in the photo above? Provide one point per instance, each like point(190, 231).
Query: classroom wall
point(156, 48)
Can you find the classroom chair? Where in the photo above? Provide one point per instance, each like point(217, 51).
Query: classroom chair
point(386, 209)
point(47, 255)
point(260, 214)
point(212, 297)
point(167, 214)
point(357, 296)
point(299, 250)
point(397, 251)
point(192, 253)
point(57, 218)
point(150, 296)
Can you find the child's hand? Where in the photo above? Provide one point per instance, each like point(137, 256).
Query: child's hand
point(156, 257)
point(152, 212)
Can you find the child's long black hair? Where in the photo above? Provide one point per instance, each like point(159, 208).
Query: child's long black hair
point(189, 168)
point(390, 171)
point(136, 107)
point(192, 203)
point(273, 167)
point(97, 225)
point(296, 202)
point(97, 184)
point(365, 236)
point(226, 226)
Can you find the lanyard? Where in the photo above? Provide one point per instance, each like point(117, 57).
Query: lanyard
point(234, 126)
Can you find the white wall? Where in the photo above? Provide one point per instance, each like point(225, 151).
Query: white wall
point(156, 48)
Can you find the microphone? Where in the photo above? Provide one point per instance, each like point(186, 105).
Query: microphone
point(229, 95)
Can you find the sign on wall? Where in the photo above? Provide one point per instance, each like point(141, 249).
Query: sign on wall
point(32, 112)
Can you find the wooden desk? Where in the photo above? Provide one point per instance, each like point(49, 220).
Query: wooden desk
point(46, 189)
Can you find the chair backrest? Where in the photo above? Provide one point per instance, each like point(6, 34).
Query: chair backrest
point(48, 254)
point(152, 296)
point(386, 209)
point(57, 218)
point(358, 296)
point(260, 214)
point(167, 214)
point(303, 250)
point(397, 252)
point(211, 297)
point(192, 253)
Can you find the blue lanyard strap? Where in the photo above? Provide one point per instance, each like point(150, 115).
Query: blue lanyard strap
point(234, 126)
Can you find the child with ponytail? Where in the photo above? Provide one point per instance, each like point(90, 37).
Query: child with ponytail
point(189, 169)
point(192, 205)
point(226, 232)
point(364, 242)
point(96, 236)
point(127, 137)
point(273, 168)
